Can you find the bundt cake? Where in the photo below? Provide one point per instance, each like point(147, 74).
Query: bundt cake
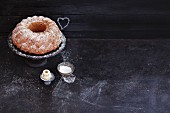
point(36, 35)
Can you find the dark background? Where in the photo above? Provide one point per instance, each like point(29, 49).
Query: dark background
point(115, 73)
point(94, 19)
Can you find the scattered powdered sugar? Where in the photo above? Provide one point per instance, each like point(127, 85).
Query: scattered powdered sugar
point(65, 55)
point(20, 95)
point(64, 100)
point(49, 45)
point(68, 57)
point(41, 17)
point(59, 33)
point(24, 20)
point(31, 47)
point(20, 28)
point(29, 18)
point(42, 47)
point(34, 47)
point(18, 40)
point(24, 45)
point(23, 24)
point(62, 90)
point(12, 89)
point(58, 40)
point(38, 38)
point(92, 94)
point(16, 33)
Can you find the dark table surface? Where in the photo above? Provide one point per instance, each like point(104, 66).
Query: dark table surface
point(115, 72)
point(121, 76)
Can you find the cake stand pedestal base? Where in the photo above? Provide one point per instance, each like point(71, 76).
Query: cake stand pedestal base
point(36, 63)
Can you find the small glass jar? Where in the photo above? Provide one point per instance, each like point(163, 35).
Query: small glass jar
point(66, 69)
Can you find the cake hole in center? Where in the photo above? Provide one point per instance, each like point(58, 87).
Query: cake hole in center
point(37, 27)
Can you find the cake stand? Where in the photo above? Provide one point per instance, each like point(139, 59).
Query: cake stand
point(36, 60)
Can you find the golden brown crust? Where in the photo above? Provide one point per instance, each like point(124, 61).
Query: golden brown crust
point(36, 35)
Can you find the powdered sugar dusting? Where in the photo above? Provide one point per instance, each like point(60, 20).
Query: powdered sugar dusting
point(42, 47)
point(66, 56)
point(34, 47)
point(42, 42)
point(38, 38)
point(27, 55)
point(24, 45)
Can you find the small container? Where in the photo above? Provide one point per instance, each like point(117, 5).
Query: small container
point(66, 69)
point(47, 77)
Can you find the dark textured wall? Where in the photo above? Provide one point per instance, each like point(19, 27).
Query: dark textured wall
point(94, 19)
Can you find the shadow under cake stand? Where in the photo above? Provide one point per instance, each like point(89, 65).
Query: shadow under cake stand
point(36, 60)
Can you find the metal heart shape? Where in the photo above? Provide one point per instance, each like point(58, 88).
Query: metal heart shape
point(63, 19)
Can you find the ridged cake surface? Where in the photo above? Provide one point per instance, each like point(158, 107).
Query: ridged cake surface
point(36, 35)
